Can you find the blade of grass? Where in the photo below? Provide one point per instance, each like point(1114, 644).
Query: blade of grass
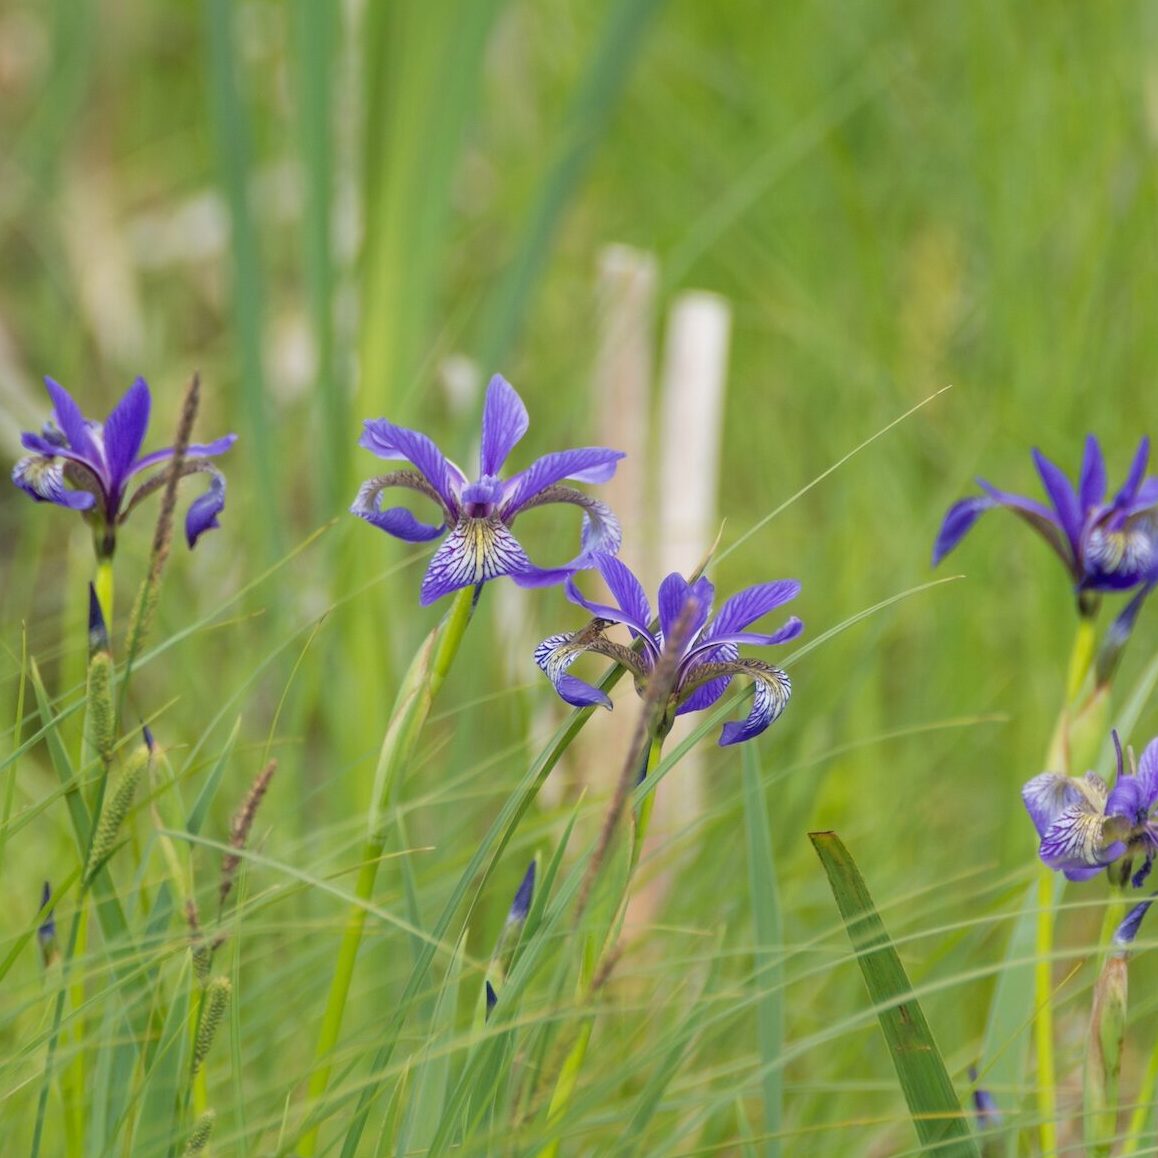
point(767, 965)
point(231, 125)
point(586, 122)
point(932, 1101)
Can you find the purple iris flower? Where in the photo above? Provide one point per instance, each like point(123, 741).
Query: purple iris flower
point(1085, 826)
point(710, 656)
point(479, 514)
point(1105, 545)
point(98, 462)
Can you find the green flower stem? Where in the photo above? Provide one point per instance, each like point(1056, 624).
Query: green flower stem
point(421, 684)
point(1059, 760)
point(105, 588)
point(595, 974)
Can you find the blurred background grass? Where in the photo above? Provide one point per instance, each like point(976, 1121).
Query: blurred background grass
point(319, 205)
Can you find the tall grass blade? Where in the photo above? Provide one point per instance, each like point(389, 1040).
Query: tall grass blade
point(767, 966)
point(933, 1103)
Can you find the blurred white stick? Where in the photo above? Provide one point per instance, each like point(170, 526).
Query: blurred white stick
point(692, 409)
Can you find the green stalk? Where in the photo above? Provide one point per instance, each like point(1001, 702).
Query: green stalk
point(1143, 1106)
point(596, 974)
point(425, 677)
point(1059, 759)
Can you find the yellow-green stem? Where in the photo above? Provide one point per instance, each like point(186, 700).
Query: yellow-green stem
point(104, 589)
point(421, 684)
point(1057, 760)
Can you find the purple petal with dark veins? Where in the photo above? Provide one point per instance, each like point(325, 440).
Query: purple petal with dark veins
point(203, 512)
point(1047, 796)
point(73, 424)
point(554, 656)
point(388, 441)
point(626, 590)
point(752, 603)
point(790, 630)
point(706, 695)
point(769, 699)
point(43, 479)
point(1061, 494)
point(637, 627)
point(675, 592)
point(1092, 485)
point(475, 551)
point(124, 431)
point(592, 464)
point(504, 422)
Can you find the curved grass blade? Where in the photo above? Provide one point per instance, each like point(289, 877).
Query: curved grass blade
point(933, 1103)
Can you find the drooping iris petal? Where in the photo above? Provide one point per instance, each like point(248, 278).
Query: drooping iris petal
point(959, 519)
point(1092, 483)
point(592, 464)
point(124, 431)
point(1043, 520)
point(554, 656)
point(475, 551)
point(391, 442)
point(504, 422)
point(396, 521)
point(43, 479)
point(193, 450)
point(1070, 815)
point(770, 694)
point(203, 511)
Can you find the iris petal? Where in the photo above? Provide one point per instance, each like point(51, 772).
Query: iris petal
point(1092, 484)
point(587, 464)
point(475, 551)
point(504, 422)
point(43, 478)
point(124, 431)
point(392, 442)
point(554, 656)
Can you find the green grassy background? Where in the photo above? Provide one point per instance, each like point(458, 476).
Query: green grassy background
point(893, 197)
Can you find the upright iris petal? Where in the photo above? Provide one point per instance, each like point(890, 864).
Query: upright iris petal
point(1105, 546)
point(709, 655)
point(88, 466)
point(477, 516)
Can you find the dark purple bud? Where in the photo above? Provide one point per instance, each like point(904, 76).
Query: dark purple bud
point(98, 632)
point(521, 905)
point(147, 737)
point(1128, 929)
point(492, 998)
point(984, 1104)
point(46, 930)
point(1117, 636)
